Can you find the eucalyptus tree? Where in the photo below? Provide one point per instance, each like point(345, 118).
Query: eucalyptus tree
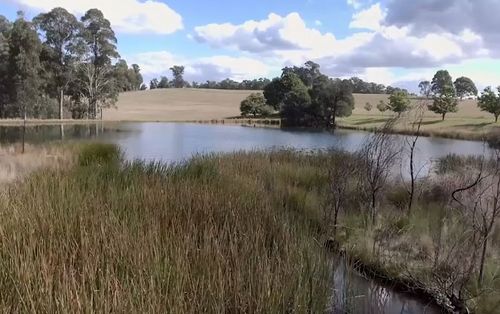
point(5, 29)
point(96, 73)
point(399, 102)
point(24, 66)
point(445, 100)
point(465, 87)
point(60, 32)
point(331, 98)
point(178, 73)
point(489, 101)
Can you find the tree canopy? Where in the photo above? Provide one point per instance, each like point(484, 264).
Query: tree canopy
point(399, 102)
point(489, 101)
point(57, 64)
point(444, 94)
point(255, 105)
point(465, 87)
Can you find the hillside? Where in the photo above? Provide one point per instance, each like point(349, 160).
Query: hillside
point(206, 104)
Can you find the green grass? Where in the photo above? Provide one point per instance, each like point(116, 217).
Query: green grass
point(237, 233)
point(473, 128)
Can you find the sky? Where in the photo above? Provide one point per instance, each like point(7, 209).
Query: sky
point(393, 42)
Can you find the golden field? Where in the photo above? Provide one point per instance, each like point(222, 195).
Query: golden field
point(210, 104)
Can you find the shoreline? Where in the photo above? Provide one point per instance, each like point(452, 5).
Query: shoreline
point(255, 122)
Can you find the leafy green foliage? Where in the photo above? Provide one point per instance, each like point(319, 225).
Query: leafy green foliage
point(489, 101)
point(296, 100)
point(399, 102)
point(24, 66)
point(464, 87)
point(178, 73)
point(331, 98)
point(445, 99)
point(255, 105)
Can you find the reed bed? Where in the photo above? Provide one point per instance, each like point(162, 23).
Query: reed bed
point(199, 237)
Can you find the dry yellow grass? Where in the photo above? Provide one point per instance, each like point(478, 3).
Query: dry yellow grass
point(206, 104)
point(16, 165)
point(177, 105)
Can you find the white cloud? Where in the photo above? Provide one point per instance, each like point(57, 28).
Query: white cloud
point(318, 23)
point(356, 4)
point(128, 16)
point(272, 34)
point(370, 18)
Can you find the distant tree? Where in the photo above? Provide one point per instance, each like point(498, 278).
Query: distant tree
point(274, 93)
point(330, 98)
point(178, 73)
point(368, 106)
point(164, 83)
point(489, 101)
point(296, 101)
point(137, 78)
point(255, 104)
point(445, 99)
point(307, 74)
point(399, 102)
point(143, 87)
point(465, 87)
point(382, 106)
point(24, 65)
point(121, 76)
point(153, 84)
point(61, 33)
point(425, 89)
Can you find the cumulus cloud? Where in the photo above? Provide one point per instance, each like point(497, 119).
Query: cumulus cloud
point(455, 17)
point(370, 18)
point(274, 33)
point(158, 63)
point(128, 16)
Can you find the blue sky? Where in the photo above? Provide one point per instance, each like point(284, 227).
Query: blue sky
point(395, 42)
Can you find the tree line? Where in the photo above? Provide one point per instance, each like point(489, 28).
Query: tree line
point(303, 96)
point(57, 63)
point(358, 85)
point(306, 97)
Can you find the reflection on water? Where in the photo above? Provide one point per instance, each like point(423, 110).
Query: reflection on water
point(353, 293)
point(173, 142)
point(47, 133)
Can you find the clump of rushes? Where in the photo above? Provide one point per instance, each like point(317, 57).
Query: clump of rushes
point(205, 236)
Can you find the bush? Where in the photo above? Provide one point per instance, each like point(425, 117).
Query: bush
point(255, 105)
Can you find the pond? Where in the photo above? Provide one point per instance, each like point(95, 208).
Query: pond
point(174, 142)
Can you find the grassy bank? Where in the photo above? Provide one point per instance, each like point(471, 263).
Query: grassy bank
point(207, 236)
point(241, 232)
point(454, 127)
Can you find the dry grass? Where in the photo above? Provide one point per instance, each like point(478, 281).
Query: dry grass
point(205, 105)
point(204, 237)
point(177, 105)
point(16, 165)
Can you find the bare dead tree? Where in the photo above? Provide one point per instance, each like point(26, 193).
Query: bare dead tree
point(411, 145)
point(378, 154)
point(340, 174)
point(480, 204)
